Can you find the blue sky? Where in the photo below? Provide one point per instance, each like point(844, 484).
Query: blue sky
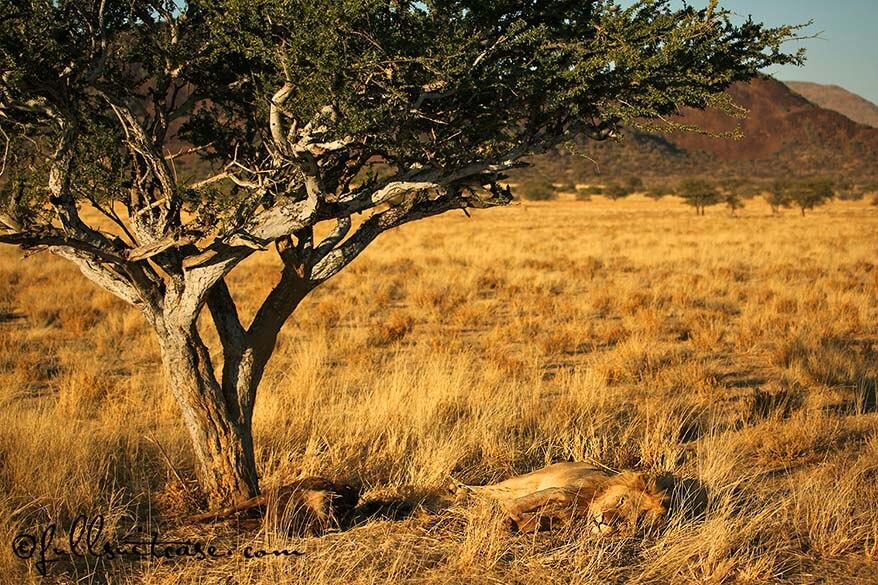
point(847, 52)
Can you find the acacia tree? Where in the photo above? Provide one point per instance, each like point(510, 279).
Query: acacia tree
point(778, 196)
point(806, 194)
point(364, 114)
point(624, 187)
point(699, 193)
point(733, 202)
point(811, 193)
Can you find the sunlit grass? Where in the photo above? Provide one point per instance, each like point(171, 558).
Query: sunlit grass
point(740, 352)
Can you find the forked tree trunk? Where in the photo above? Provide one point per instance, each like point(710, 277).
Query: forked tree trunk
point(219, 414)
point(220, 428)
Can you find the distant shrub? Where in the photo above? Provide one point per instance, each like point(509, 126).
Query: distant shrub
point(734, 203)
point(699, 193)
point(847, 191)
point(624, 187)
point(850, 194)
point(616, 191)
point(538, 191)
point(810, 193)
point(633, 183)
point(742, 188)
point(592, 190)
point(659, 190)
point(779, 195)
point(805, 194)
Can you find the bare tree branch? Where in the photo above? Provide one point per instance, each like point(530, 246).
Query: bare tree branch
point(50, 236)
point(412, 210)
point(105, 277)
point(329, 242)
point(275, 124)
point(282, 219)
point(140, 145)
point(5, 155)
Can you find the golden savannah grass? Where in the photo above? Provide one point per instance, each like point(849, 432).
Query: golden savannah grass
point(740, 352)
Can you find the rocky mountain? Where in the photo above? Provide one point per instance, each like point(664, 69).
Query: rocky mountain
point(784, 135)
point(833, 97)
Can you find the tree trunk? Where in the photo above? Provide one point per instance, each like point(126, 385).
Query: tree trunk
point(219, 414)
point(220, 429)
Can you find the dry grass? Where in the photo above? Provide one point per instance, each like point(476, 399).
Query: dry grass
point(740, 352)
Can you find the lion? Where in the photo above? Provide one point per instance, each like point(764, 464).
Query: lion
point(564, 493)
point(306, 507)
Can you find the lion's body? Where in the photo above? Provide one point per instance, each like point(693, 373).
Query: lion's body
point(308, 506)
point(566, 492)
point(572, 476)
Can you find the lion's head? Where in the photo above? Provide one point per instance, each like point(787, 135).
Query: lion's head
point(626, 502)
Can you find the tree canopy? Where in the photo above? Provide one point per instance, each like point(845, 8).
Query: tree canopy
point(699, 193)
point(811, 193)
point(443, 93)
point(806, 194)
point(366, 114)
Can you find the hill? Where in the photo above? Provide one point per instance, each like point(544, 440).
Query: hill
point(784, 135)
point(833, 97)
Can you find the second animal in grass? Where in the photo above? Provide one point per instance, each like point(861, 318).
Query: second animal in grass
point(569, 492)
point(306, 507)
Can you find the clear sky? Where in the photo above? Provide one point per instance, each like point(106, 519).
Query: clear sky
point(846, 53)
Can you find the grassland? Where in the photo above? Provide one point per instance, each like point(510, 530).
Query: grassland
point(741, 352)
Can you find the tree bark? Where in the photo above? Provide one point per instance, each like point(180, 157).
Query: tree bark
point(219, 414)
point(277, 308)
point(220, 429)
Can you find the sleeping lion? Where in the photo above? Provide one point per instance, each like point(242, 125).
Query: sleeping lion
point(564, 493)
